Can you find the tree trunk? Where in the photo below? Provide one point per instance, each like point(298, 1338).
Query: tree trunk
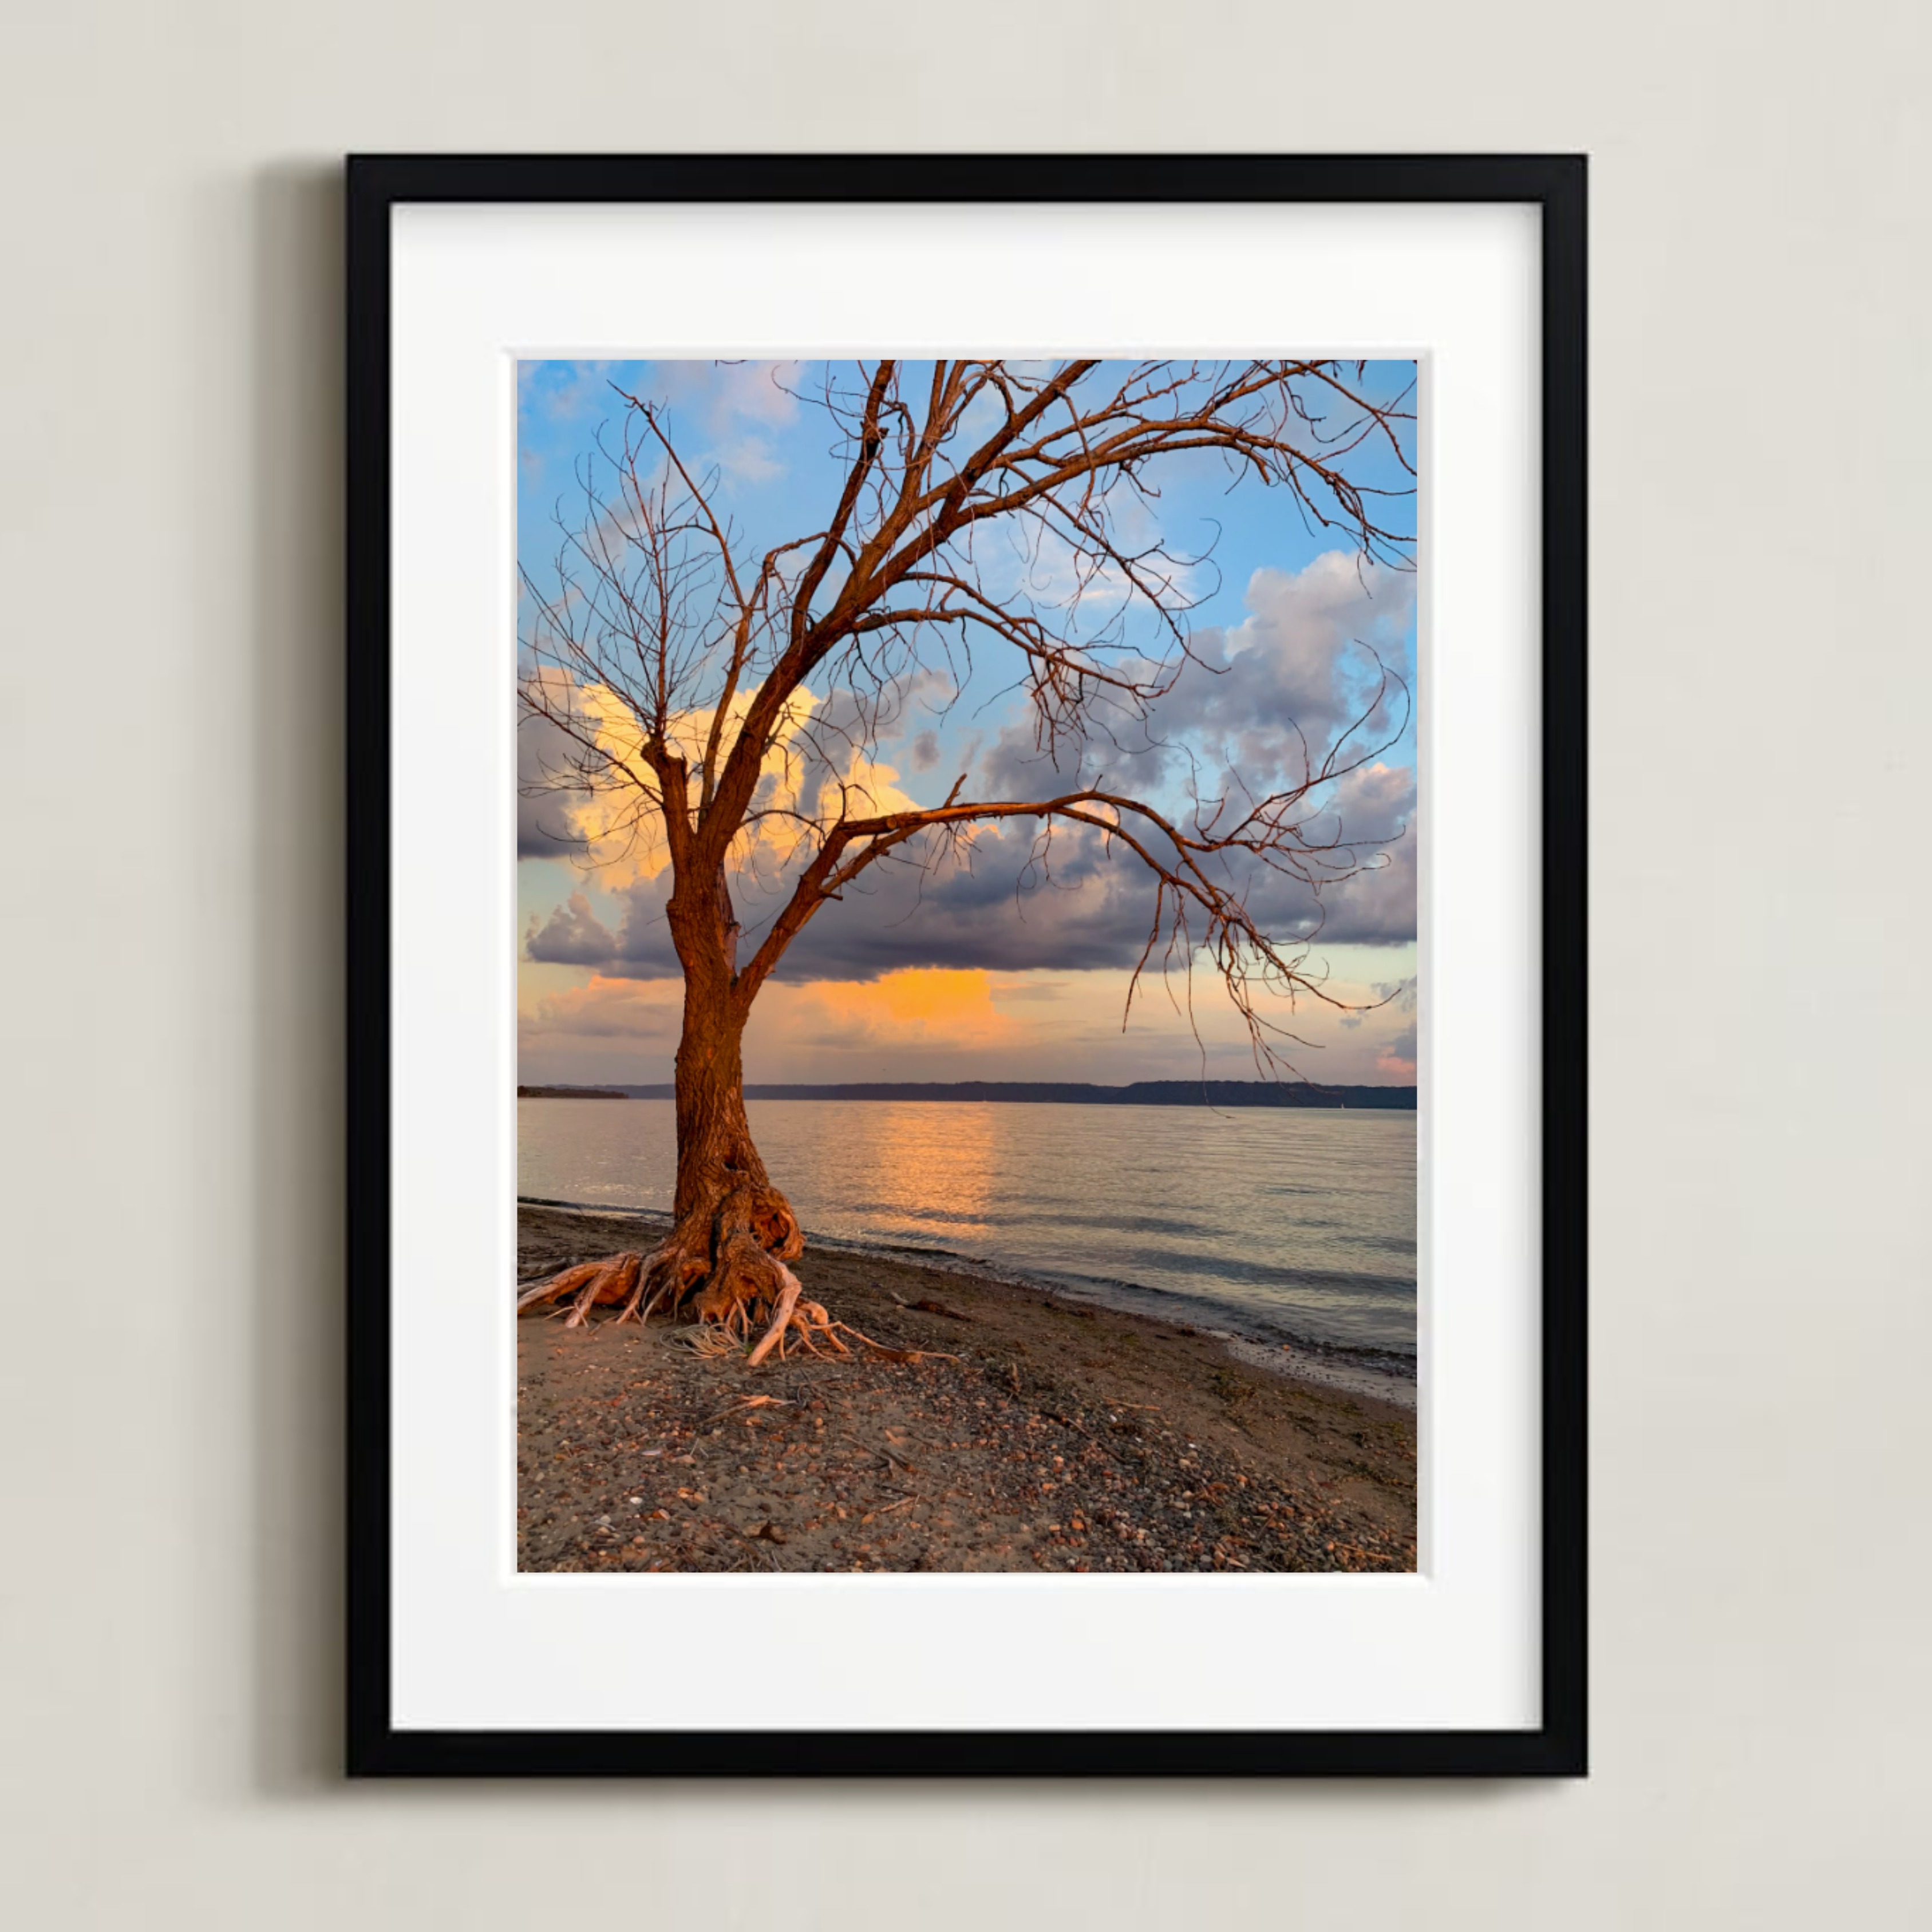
point(729, 1216)
point(733, 1233)
point(714, 1138)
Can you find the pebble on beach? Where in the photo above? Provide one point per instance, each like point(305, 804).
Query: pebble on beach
point(1035, 1435)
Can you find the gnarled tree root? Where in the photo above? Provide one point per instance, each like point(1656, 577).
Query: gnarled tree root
point(589, 1283)
point(736, 1256)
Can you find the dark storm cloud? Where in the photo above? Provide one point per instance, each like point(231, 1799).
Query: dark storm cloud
point(1077, 904)
point(543, 821)
point(1266, 700)
point(1015, 908)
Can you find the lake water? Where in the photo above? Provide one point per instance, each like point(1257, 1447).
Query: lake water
point(1297, 1223)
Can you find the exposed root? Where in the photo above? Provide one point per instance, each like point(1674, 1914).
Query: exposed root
point(737, 1256)
point(790, 1288)
point(894, 1354)
point(558, 1284)
point(664, 1271)
point(613, 1279)
point(608, 1279)
point(809, 1325)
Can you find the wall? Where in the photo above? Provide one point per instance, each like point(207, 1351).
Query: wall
point(170, 352)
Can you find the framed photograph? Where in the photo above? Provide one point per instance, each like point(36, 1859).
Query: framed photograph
point(966, 969)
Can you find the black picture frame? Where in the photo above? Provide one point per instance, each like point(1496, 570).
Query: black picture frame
point(1555, 184)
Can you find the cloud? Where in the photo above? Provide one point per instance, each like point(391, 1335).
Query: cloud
point(725, 393)
point(1272, 695)
point(949, 1025)
point(573, 935)
point(603, 1010)
point(1259, 706)
point(819, 746)
point(946, 1010)
point(1375, 809)
point(736, 408)
point(1396, 1061)
point(1012, 905)
point(545, 828)
point(562, 391)
point(747, 460)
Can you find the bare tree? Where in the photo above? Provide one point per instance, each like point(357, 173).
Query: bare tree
point(675, 666)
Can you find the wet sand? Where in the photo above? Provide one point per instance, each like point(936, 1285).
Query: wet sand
point(1058, 1436)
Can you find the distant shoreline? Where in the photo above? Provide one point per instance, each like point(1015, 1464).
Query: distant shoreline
point(1039, 1093)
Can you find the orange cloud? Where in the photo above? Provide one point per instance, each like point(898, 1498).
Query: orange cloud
point(936, 1006)
point(929, 1023)
point(628, 846)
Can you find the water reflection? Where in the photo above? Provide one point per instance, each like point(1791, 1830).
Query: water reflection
point(1179, 1200)
point(915, 1168)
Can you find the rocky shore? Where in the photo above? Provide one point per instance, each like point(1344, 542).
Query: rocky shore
point(1035, 1434)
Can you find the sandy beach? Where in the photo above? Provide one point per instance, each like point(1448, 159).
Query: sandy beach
point(1039, 1434)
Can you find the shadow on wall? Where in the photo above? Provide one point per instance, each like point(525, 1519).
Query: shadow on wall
point(292, 1215)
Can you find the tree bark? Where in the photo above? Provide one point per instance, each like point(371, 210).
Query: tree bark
point(715, 1148)
point(734, 1232)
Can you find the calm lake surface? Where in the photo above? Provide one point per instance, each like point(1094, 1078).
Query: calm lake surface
point(1295, 1222)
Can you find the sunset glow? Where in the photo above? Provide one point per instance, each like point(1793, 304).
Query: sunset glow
point(1008, 956)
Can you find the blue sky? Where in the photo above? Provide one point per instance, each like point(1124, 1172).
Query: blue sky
point(974, 981)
